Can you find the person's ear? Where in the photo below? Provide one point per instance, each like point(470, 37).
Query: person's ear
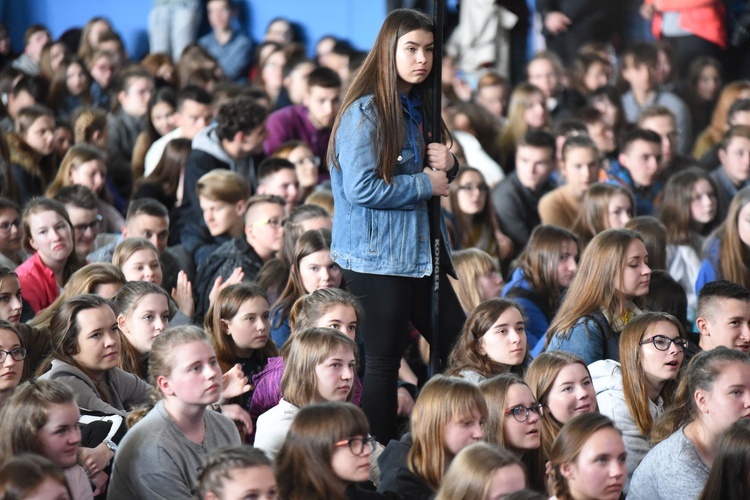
point(121, 323)
point(703, 327)
point(568, 470)
point(701, 401)
point(164, 385)
point(240, 207)
point(722, 156)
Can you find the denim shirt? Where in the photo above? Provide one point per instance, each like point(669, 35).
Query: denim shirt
point(381, 228)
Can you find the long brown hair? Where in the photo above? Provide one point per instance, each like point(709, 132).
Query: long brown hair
point(674, 211)
point(226, 307)
point(303, 464)
point(540, 258)
point(595, 286)
point(594, 217)
point(701, 374)
point(309, 243)
point(568, 445)
point(633, 375)
point(378, 76)
point(466, 354)
point(467, 224)
point(734, 255)
point(729, 477)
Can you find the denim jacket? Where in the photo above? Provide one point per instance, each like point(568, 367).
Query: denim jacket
point(381, 228)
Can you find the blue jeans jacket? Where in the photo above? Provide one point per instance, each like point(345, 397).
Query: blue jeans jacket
point(380, 228)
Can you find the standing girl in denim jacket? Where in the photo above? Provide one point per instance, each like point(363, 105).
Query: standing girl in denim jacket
point(382, 175)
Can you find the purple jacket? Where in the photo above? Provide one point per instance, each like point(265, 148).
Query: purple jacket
point(291, 123)
point(267, 385)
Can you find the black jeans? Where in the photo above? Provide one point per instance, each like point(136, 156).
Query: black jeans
point(390, 303)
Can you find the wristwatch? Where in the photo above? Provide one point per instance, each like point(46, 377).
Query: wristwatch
point(111, 445)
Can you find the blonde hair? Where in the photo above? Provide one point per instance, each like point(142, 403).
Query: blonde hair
point(223, 185)
point(734, 255)
point(83, 281)
point(127, 247)
point(299, 383)
point(540, 377)
point(470, 264)
point(87, 123)
point(74, 158)
point(442, 400)
point(471, 473)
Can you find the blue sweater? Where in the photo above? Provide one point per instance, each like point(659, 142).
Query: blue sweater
point(536, 322)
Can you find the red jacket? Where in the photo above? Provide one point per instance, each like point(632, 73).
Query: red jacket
point(703, 18)
point(38, 285)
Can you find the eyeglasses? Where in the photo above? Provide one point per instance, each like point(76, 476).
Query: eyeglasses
point(94, 225)
point(521, 413)
point(5, 226)
point(482, 188)
point(271, 222)
point(315, 160)
point(18, 354)
point(357, 444)
point(662, 342)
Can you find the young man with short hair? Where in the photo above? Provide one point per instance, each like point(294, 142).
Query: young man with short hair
point(28, 91)
point(734, 171)
point(515, 199)
point(637, 168)
point(278, 176)
point(194, 113)
point(259, 242)
point(34, 40)
point(661, 120)
point(148, 219)
point(639, 70)
point(230, 143)
point(232, 49)
point(723, 316)
point(310, 121)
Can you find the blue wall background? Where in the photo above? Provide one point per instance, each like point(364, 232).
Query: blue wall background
point(355, 20)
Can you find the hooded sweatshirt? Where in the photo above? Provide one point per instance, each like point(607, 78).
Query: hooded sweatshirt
point(610, 398)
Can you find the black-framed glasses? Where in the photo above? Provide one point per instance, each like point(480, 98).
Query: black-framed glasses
point(357, 444)
point(521, 413)
point(18, 354)
point(93, 225)
point(662, 342)
point(482, 188)
point(5, 226)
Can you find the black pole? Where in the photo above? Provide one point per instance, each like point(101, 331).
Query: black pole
point(434, 203)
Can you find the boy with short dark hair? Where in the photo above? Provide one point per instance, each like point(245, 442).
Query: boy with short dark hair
point(723, 316)
point(230, 143)
point(637, 168)
point(516, 198)
point(734, 171)
point(310, 121)
point(278, 176)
